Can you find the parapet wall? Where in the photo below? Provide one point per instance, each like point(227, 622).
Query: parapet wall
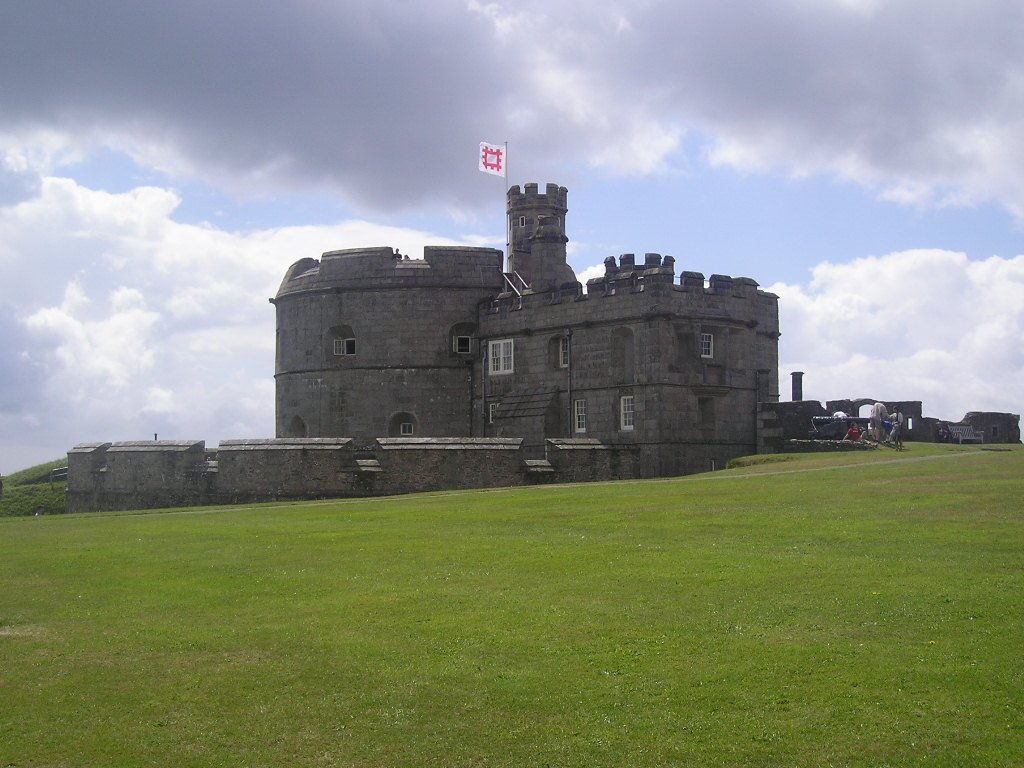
point(530, 195)
point(628, 273)
point(361, 268)
point(163, 474)
point(650, 288)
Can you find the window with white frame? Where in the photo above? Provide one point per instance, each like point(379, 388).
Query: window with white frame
point(407, 429)
point(707, 345)
point(462, 345)
point(500, 354)
point(563, 352)
point(579, 415)
point(522, 221)
point(492, 409)
point(344, 346)
point(626, 412)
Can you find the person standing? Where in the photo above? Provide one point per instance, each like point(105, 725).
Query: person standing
point(897, 428)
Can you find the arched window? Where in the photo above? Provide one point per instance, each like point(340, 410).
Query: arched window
point(296, 428)
point(403, 424)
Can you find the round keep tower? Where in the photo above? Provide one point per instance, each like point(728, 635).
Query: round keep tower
point(373, 344)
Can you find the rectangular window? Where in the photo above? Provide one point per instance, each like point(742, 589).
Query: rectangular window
point(500, 355)
point(707, 345)
point(522, 221)
point(492, 409)
point(462, 345)
point(344, 346)
point(626, 412)
point(563, 352)
point(579, 413)
point(406, 429)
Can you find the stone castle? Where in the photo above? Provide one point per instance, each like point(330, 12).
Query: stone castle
point(374, 344)
point(397, 375)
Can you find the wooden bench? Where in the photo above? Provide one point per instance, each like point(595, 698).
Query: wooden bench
point(965, 433)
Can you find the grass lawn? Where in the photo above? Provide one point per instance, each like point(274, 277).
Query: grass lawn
point(823, 611)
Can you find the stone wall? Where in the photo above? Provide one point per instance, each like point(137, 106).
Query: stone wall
point(138, 475)
point(780, 422)
point(264, 470)
point(159, 474)
point(996, 427)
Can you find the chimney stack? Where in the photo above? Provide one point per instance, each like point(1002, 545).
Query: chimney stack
point(798, 385)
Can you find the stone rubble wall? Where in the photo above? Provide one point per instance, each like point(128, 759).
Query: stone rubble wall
point(786, 427)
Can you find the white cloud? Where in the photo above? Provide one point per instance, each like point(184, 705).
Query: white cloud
point(591, 272)
point(116, 321)
point(928, 325)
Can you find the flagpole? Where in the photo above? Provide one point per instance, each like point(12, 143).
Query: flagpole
point(508, 223)
point(494, 160)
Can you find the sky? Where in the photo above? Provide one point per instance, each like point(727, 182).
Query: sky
point(162, 164)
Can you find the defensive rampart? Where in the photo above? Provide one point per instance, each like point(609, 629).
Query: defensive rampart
point(163, 474)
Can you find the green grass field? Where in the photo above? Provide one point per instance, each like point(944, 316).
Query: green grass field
point(833, 610)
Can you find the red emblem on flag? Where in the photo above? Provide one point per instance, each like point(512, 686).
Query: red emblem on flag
point(492, 159)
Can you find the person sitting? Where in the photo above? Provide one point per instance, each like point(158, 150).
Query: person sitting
point(852, 434)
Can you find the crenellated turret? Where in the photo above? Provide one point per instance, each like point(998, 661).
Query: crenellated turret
point(537, 236)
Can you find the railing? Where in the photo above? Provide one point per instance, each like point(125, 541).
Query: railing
point(511, 280)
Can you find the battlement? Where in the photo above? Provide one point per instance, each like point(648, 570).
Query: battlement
point(553, 196)
point(441, 265)
point(626, 275)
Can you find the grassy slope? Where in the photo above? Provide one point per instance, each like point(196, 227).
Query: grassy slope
point(27, 490)
point(868, 615)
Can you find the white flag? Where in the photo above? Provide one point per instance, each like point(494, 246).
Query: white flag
point(492, 158)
